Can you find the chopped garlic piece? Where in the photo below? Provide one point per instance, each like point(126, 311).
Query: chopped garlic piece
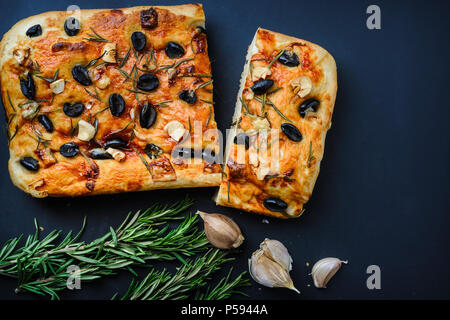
point(20, 55)
point(175, 129)
point(259, 72)
point(109, 51)
point(103, 82)
point(57, 86)
point(29, 109)
point(302, 86)
point(117, 154)
point(86, 131)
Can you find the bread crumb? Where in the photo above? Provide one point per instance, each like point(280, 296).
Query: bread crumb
point(265, 221)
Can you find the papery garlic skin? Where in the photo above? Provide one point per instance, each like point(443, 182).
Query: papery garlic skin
point(270, 265)
point(324, 269)
point(221, 231)
point(275, 250)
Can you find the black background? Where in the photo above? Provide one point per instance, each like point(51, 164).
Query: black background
point(382, 196)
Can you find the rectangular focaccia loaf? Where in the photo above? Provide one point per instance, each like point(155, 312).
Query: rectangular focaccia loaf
point(109, 100)
point(284, 108)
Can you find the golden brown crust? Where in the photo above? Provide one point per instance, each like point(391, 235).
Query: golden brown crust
point(55, 50)
point(274, 165)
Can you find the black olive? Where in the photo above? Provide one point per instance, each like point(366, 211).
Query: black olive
point(184, 153)
point(308, 105)
point(30, 163)
point(27, 87)
point(261, 86)
point(275, 204)
point(69, 149)
point(188, 96)
point(73, 110)
point(115, 143)
point(147, 82)
point(81, 74)
point(116, 104)
point(34, 31)
point(209, 156)
point(72, 26)
point(174, 50)
point(99, 154)
point(153, 151)
point(147, 116)
point(242, 138)
point(200, 29)
point(289, 58)
point(149, 18)
point(46, 122)
point(291, 132)
point(138, 40)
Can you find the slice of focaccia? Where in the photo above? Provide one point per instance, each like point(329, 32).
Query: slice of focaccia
point(106, 101)
point(282, 114)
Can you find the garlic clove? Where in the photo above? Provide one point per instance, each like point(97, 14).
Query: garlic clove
point(57, 86)
point(324, 269)
point(109, 52)
point(117, 154)
point(269, 273)
point(86, 131)
point(302, 86)
point(276, 251)
point(221, 231)
point(29, 109)
point(175, 130)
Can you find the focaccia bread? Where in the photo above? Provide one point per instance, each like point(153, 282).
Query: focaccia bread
point(109, 101)
point(284, 108)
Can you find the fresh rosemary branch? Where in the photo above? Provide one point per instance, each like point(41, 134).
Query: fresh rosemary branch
point(40, 265)
point(225, 288)
point(189, 278)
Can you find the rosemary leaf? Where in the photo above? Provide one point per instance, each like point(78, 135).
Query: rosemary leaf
point(10, 102)
point(93, 95)
point(209, 116)
point(142, 159)
point(270, 103)
point(125, 59)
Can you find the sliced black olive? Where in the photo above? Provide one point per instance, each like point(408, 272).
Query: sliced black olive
point(116, 104)
point(209, 156)
point(115, 143)
point(153, 151)
point(147, 116)
point(307, 106)
point(34, 31)
point(99, 154)
point(149, 18)
point(275, 204)
point(138, 40)
point(81, 74)
point(30, 163)
point(261, 86)
point(174, 50)
point(73, 110)
point(147, 82)
point(72, 26)
point(188, 96)
point(27, 87)
point(46, 122)
point(289, 58)
point(69, 149)
point(242, 138)
point(291, 132)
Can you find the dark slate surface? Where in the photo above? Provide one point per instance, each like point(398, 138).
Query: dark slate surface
point(382, 196)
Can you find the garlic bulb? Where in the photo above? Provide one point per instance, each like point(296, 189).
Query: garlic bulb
point(270, 265)
point(221, 231)
point(324, 269)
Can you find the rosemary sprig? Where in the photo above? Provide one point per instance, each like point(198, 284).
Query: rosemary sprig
point(94, 61)
point(245, 105)
point(270, 103)
point(10, 102)
point(50, 80)
point(40, 264)
point(207, 101)
point(310, 155)
point(205, 84)
point(174, 65)
point(195, 75)
point(95, 37)
point(93, 95)
point(100, 111)
point(125, 58)
point(14, 134)
point(275, 59)
point(225, 288)
point(142, 159)
point(193, 275)
point(209, 116)
point(163, 103)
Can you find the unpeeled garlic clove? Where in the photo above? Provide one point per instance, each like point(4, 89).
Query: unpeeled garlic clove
point(270, 265)
point(276, 251)
point(221, 231)
point(324, 269)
